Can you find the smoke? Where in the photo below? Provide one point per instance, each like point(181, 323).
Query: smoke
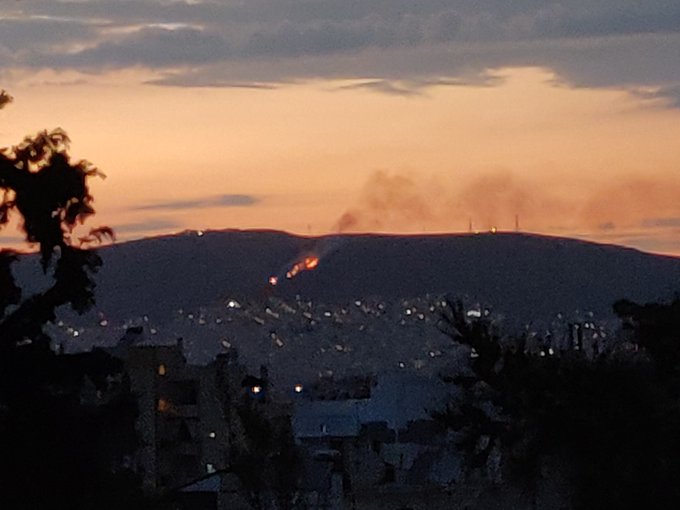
point(386, 202)
point(549, 204)
point(402, 203)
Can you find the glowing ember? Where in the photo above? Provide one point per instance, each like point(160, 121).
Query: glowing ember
point(308, 263)
point(273, 280)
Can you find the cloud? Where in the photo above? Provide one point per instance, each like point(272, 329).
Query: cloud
point(151, 225)
point(622, 43)
point(155, 47)
point(198, 79)
point(670, 93)
point(390, 87)
point(202, 203)
point(607, 226)
point(418, 87)
point(661, 223)
point(17, 35)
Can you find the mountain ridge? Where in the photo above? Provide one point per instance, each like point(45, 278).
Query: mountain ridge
point(529, 275)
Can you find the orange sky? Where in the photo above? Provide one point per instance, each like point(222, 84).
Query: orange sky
point(603, 164)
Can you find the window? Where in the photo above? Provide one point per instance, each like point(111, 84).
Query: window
point(162, 370)
point(163, 405)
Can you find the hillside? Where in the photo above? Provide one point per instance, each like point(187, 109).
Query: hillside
point(373, 302)
point(526, 276)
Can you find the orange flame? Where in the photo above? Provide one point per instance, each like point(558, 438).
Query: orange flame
point(307, 264)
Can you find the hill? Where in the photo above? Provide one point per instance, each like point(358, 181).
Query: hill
point(373, 302)
point(524, 276)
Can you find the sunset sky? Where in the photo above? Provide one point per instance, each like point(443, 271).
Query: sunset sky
point(318, 116)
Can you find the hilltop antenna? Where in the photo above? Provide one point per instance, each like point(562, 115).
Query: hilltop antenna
point(470, 226)
point(516, 222)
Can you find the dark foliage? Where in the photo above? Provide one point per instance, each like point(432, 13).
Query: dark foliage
point(611, 421)
point(265, 459)
point(59, 447)
point(656, 328)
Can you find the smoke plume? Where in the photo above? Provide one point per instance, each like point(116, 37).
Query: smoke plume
point(402, 203)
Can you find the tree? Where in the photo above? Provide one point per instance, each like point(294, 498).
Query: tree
point(609, 422)
point(50, 195)
point(56, 450)
point(655, 328)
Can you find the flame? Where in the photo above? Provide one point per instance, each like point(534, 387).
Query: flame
point(273, 280)
point(306, 264)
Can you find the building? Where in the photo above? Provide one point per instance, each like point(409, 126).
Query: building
point(387, 442)
point(183, 429)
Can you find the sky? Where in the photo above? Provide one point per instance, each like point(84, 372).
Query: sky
point(324, 116)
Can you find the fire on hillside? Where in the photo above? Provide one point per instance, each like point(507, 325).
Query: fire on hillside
point(308, 263)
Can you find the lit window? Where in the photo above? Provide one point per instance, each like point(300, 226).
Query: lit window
point(256, 389)
point(212, 435)
point(163, 405)
point(162, 370)
point(210, 468)
point(298, 388)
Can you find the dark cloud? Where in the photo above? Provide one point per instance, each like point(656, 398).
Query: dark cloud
point(588, 42)
point(661, 223)
point(42, 34)
point(153, 47)
point(198, 79)
point(671, 93)
point(410, 88)
point(151, 225)
point(385, 86)
point(202, 203)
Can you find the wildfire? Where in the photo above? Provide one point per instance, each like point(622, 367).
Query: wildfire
point(306, 264)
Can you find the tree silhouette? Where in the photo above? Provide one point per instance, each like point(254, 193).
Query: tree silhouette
point(57, 450)
point(656, 328)
point(609, 422)
point(50, 196)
